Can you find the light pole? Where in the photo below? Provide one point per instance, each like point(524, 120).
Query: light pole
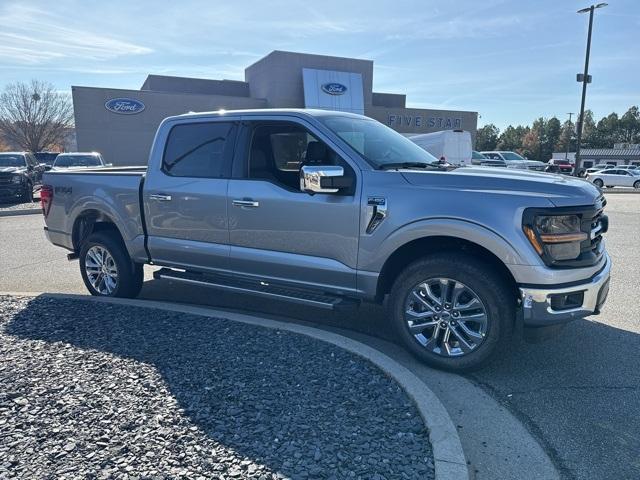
point(566, 154)
point(585, 78)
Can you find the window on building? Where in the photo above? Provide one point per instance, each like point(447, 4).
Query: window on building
point(279, 150)
point(201, 150)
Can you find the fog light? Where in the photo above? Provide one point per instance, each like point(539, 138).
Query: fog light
point(566, 301)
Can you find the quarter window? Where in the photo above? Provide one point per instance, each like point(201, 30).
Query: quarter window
point(201, 150)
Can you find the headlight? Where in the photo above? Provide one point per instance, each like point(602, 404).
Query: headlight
point(557, 235)
point(17, 179)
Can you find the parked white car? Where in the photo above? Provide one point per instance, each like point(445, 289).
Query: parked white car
point(513, 160)
point(454, 146)
point(615, 177)
point(77, 160)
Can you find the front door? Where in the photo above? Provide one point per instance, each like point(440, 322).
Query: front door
point(278, 232)
point(185, 200)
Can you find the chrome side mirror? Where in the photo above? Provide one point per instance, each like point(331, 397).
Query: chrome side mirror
point(322, 179)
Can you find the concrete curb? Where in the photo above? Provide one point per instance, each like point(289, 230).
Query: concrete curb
point(449, 460)
point(26, 211)
point(607, 191)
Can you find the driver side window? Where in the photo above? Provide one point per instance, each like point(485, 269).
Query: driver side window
point(278, 151)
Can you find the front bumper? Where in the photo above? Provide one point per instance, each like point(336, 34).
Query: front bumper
point(11, 190)
point(543, 306)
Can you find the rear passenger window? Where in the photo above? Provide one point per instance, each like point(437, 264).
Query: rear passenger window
point(202, 150)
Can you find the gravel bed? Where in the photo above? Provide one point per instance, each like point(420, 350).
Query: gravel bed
point(105, 391)
point(19, 206)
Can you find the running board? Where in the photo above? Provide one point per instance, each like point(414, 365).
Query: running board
point(259, 288)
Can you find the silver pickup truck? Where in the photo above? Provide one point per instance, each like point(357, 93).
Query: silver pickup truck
point(329, 209)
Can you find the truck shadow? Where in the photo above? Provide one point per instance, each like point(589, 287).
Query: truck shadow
point(228, 382)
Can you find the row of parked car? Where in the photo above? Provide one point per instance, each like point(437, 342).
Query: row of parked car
point(21, 172)
point(453, 149)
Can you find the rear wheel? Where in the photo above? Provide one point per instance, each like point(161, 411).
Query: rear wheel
point(636, 184)
point(106, 268)
point(598, 183)
point(452, 311)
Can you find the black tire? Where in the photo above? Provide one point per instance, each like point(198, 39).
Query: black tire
point(598, 183)
point(492, 290)
point(636, 184)
point(130, 274)
point(27, 194)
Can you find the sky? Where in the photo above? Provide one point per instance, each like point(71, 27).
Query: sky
point(511, 61)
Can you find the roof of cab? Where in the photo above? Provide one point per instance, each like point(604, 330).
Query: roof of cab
point(268, 111)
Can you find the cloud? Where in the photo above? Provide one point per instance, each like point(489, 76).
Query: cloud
point(33, 36)
point(460, 27)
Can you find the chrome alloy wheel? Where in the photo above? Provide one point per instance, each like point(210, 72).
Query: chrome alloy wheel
point(446, 317)
point(101, 270)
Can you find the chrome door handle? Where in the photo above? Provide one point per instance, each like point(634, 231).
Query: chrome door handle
point(160, 197)
point(246, 203)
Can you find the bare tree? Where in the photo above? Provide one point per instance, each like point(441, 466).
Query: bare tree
point(34, 116)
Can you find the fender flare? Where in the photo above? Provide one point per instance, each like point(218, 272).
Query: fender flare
point(84, 205)
point(447, 227)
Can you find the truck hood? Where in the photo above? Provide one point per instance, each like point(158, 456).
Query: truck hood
point(561, 190)
point(12, 169)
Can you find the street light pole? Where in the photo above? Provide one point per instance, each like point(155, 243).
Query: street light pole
point(566, 154)
point(585, 79)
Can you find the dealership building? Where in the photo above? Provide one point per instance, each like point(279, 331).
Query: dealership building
point(121, 124)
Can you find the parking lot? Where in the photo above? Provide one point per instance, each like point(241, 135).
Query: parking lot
point(577, 394)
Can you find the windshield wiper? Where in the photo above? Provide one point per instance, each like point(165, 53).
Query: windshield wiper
point(397, 165)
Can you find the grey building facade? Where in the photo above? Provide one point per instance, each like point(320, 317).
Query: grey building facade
point(121, 124)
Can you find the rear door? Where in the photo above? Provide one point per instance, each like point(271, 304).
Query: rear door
point(278, 232)
point(185, 195)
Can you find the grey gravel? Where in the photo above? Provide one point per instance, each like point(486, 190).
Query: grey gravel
point(10, 207)
point(103, 391)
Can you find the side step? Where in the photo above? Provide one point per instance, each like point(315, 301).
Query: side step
point(259, 288)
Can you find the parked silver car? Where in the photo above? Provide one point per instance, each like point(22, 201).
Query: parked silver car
point(514, 160)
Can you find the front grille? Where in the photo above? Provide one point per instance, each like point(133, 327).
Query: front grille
point(594, 225)
point(5, 178)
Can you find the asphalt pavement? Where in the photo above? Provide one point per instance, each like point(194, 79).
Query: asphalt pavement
point(568, 404)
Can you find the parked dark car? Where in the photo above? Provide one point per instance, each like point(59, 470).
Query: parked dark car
point(46, 157)
point(20, 175)
point(559, 165)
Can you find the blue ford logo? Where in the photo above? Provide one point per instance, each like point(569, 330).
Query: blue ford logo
point(125, 106)
point(334, 88)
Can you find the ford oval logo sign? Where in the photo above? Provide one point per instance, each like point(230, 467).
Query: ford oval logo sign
point(124, 106)
point(334, 88)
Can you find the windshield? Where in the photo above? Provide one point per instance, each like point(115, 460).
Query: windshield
point(77, 161)
point(12, 160)
point(379, 145)
point(477, 155)
point(512, 156)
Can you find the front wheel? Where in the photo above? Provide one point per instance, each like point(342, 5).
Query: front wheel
point(106, 268)
point(598, 183)
point(636, 185)
point(452, 311)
